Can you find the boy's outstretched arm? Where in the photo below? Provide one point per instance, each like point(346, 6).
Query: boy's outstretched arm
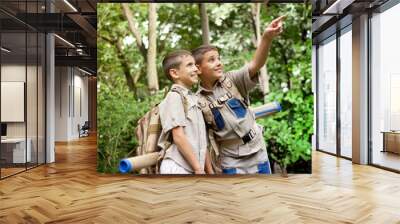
point(185, 149)
point(260, 56)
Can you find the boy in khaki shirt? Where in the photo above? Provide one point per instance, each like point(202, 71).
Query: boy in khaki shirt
point(182, 120)
point(224, 102)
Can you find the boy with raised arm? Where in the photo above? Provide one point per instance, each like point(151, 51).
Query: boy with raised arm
point(223, 98)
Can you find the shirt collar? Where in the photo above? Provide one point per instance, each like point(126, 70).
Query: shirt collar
point(208, 91)
point(184, 90)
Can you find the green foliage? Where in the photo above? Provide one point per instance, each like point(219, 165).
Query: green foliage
point(118, 114)
point(288, 134)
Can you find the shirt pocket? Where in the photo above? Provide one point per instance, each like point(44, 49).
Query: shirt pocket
point(237, 107)
point(192, 113)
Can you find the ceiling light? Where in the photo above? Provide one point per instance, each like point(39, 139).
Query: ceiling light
point(338, 6)
point(71, 6)
point(64, 40)
point(5, 50)
point(80, 51)
point(84, 71)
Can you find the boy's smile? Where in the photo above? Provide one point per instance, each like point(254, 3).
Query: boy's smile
point(211, 68)
point(187, 74)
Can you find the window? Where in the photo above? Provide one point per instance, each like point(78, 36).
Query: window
point(346, 92)
point(23, 77)
point(327, 95)
point(385, 88)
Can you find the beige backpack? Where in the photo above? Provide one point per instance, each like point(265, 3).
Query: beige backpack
point(148, 131)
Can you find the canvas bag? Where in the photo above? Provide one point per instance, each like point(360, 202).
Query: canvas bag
point(148, 131)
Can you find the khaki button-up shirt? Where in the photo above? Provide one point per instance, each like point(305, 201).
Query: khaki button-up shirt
point(236, 127)
point(172, 115)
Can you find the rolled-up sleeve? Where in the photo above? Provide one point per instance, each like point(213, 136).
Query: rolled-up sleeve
point(172, 113)
point(241, 78)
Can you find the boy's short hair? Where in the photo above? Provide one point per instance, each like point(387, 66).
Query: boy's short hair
point(172, 60)
point(199, 52)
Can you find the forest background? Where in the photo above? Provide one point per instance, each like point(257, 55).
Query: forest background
point(133, 38)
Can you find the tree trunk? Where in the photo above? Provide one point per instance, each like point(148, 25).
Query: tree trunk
point(280, 168)
point(284, 170)
point(133, 27)
point(152, 77)
point(130, 81)
point(204, 24)
point(263, 78)
point(125, 68)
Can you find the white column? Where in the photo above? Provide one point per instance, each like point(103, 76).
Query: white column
point(360, 90)
point(50, 94)
point(314, 90)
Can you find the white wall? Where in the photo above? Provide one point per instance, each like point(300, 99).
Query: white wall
point(62, 81)
point(14, 73)
point(81, 94)
point(71, 87)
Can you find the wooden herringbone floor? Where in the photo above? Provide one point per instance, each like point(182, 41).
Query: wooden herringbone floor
point(70, 191)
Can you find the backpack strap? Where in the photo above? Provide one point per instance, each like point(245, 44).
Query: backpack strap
point(231, 88)
point(185, 101)
point(214, 152)
point(207, 103)
point(205, 106)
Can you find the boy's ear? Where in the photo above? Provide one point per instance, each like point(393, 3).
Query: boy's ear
point(173, 73)
point(198, 68)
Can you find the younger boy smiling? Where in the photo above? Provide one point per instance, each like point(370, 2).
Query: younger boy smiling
point(182, 120)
